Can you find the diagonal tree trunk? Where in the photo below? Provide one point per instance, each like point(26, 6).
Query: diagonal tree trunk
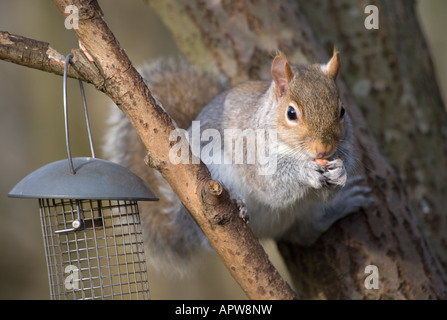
point(237, 38)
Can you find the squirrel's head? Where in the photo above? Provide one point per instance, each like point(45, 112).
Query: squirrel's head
point(311, 115)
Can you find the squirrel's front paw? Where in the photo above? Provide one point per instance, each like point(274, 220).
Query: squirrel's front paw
point(315, 177)
point(335, 173)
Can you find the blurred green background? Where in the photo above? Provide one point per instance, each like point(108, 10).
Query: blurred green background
point(32, 135)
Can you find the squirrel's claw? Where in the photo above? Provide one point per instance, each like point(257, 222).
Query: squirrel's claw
point(243, 212)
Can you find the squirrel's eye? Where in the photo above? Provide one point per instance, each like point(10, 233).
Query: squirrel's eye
point(342, 112)
point(291, 114)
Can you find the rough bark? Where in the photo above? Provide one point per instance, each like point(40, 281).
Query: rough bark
point(40, 55)
point(239, 37)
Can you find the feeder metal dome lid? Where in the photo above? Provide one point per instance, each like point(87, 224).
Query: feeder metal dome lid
point(94, 179)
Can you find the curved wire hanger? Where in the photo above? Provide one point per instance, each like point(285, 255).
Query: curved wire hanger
point(84, 101)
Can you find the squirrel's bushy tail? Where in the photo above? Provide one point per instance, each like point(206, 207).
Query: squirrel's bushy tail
point(172, 237)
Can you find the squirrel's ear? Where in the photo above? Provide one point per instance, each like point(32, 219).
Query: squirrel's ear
point(333, 66)
point(281, 73)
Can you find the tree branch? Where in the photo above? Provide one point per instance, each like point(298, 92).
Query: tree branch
point(112, 72)
point(41, 56)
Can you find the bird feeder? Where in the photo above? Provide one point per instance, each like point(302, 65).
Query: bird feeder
point(90, 223)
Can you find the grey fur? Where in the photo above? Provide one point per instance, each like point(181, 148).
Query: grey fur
point(299, 201)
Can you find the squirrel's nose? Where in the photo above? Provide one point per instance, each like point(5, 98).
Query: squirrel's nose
point(322, 150)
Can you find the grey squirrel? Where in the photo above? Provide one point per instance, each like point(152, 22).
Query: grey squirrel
point(311, 185)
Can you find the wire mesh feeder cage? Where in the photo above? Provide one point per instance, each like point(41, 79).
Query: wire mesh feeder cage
point(90, 225)
point(91, 228)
